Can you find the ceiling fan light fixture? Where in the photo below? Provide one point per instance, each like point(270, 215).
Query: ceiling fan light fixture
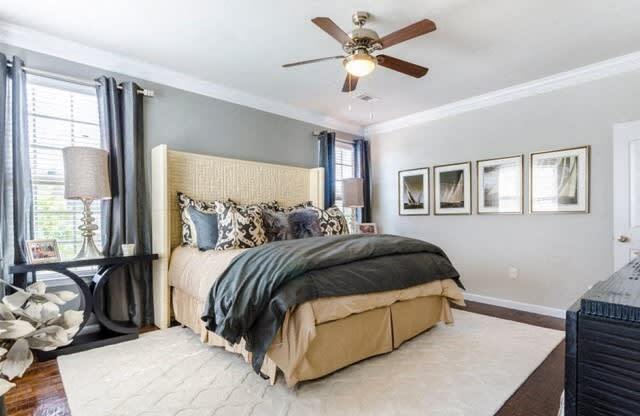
point(359, 64)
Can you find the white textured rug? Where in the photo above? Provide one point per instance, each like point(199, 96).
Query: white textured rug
point(470, 368)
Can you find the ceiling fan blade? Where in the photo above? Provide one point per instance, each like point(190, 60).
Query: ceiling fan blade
point(312, 61)
point(332, 29)
point(399, 65)
point(350, 83)
point(417, 29)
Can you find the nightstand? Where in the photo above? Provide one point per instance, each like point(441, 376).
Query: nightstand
point(111, 332)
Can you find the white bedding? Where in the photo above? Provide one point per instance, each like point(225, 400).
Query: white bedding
point(187, 263)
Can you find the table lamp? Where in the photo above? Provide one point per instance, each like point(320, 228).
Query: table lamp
point(86, 177)
point(352, 195)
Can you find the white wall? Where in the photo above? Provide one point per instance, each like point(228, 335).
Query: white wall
point(559, 256)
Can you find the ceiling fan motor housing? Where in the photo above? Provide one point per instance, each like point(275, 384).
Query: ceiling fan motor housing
point(362, 34)
point(362, 39)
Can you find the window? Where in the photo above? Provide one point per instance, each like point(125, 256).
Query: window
point(344, 169)
point(60, 114)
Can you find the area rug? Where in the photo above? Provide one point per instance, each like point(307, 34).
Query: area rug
point(469, 368)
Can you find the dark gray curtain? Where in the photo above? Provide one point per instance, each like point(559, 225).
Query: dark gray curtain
point(6, 253)
point(327, 160)
point(125, 217)
point(16, 210)
point(361, 162)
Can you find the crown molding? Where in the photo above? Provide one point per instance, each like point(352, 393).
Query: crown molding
point(581, 75)
point(37, 41)
point(30, 39)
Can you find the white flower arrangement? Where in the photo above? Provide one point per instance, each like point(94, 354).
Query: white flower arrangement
point(31, 319)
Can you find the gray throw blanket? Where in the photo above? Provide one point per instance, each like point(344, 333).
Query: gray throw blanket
point(251, 297)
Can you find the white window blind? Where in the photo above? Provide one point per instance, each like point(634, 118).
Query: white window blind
point(344, 170)
point(60, 114)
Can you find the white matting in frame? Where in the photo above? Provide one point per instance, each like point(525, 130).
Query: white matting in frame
point(560, 180)
point(452, 190)
point(500, 185)
point(414, 191)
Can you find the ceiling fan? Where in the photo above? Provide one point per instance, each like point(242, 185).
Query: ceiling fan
point(361, 43)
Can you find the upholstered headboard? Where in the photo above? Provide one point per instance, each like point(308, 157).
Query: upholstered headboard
point(209, 178)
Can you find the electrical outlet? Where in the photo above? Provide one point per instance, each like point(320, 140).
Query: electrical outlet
point(513, 272)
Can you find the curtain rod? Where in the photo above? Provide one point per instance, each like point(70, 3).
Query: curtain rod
point(61, 77)
point(316, 133)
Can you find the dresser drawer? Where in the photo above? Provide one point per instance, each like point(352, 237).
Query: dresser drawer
point(608, 368)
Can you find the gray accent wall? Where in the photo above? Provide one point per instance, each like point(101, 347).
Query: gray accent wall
point(196, 123)
point(558, 255)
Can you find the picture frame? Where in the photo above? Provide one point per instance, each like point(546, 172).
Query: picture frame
point(414, 191)
point(560, 181)
point(367, 228)
point(42, 251)
point(500, 185)
point(452, 189)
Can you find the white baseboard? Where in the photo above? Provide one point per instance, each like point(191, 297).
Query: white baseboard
point(520, 306)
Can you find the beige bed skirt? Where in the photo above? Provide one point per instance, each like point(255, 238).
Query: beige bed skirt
point(305, 349)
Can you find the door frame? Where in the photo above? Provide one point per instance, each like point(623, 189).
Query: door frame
point(621, 184)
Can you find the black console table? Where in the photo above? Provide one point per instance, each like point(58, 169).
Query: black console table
point(111, 332)
point(602, 362)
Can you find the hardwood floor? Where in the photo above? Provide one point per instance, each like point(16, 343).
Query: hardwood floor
point(40, 392)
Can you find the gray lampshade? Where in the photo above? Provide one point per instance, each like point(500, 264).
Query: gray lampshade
point(86, 173)
point(352, 193)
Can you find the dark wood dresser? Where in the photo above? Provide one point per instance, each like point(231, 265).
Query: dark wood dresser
point(602, 373)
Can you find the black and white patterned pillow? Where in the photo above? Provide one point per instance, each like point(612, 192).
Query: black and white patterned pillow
point(271, 205)
point(239, 226)
point(188, 228)
point(332, 221)
point(302, 205)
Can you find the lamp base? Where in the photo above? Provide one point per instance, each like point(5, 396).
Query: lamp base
point(88, 228)
point(89, 250)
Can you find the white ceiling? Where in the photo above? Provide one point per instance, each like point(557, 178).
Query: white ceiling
point(480, 46)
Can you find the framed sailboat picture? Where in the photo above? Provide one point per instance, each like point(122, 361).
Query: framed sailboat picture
point(413, 192)
point(559, 181)
point(452, 189)
point(500, 184)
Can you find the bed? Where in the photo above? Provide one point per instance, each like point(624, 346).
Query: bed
point(316, 337)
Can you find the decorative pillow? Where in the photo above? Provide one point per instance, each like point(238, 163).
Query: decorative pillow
point(189, 232)
point(296, 224)
point(188, 229)
point(304, 223)
point(302, 205)
point(271, 205)
point(276, 226)
point(239, 226)
point(332, 221)
point(205, 225)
